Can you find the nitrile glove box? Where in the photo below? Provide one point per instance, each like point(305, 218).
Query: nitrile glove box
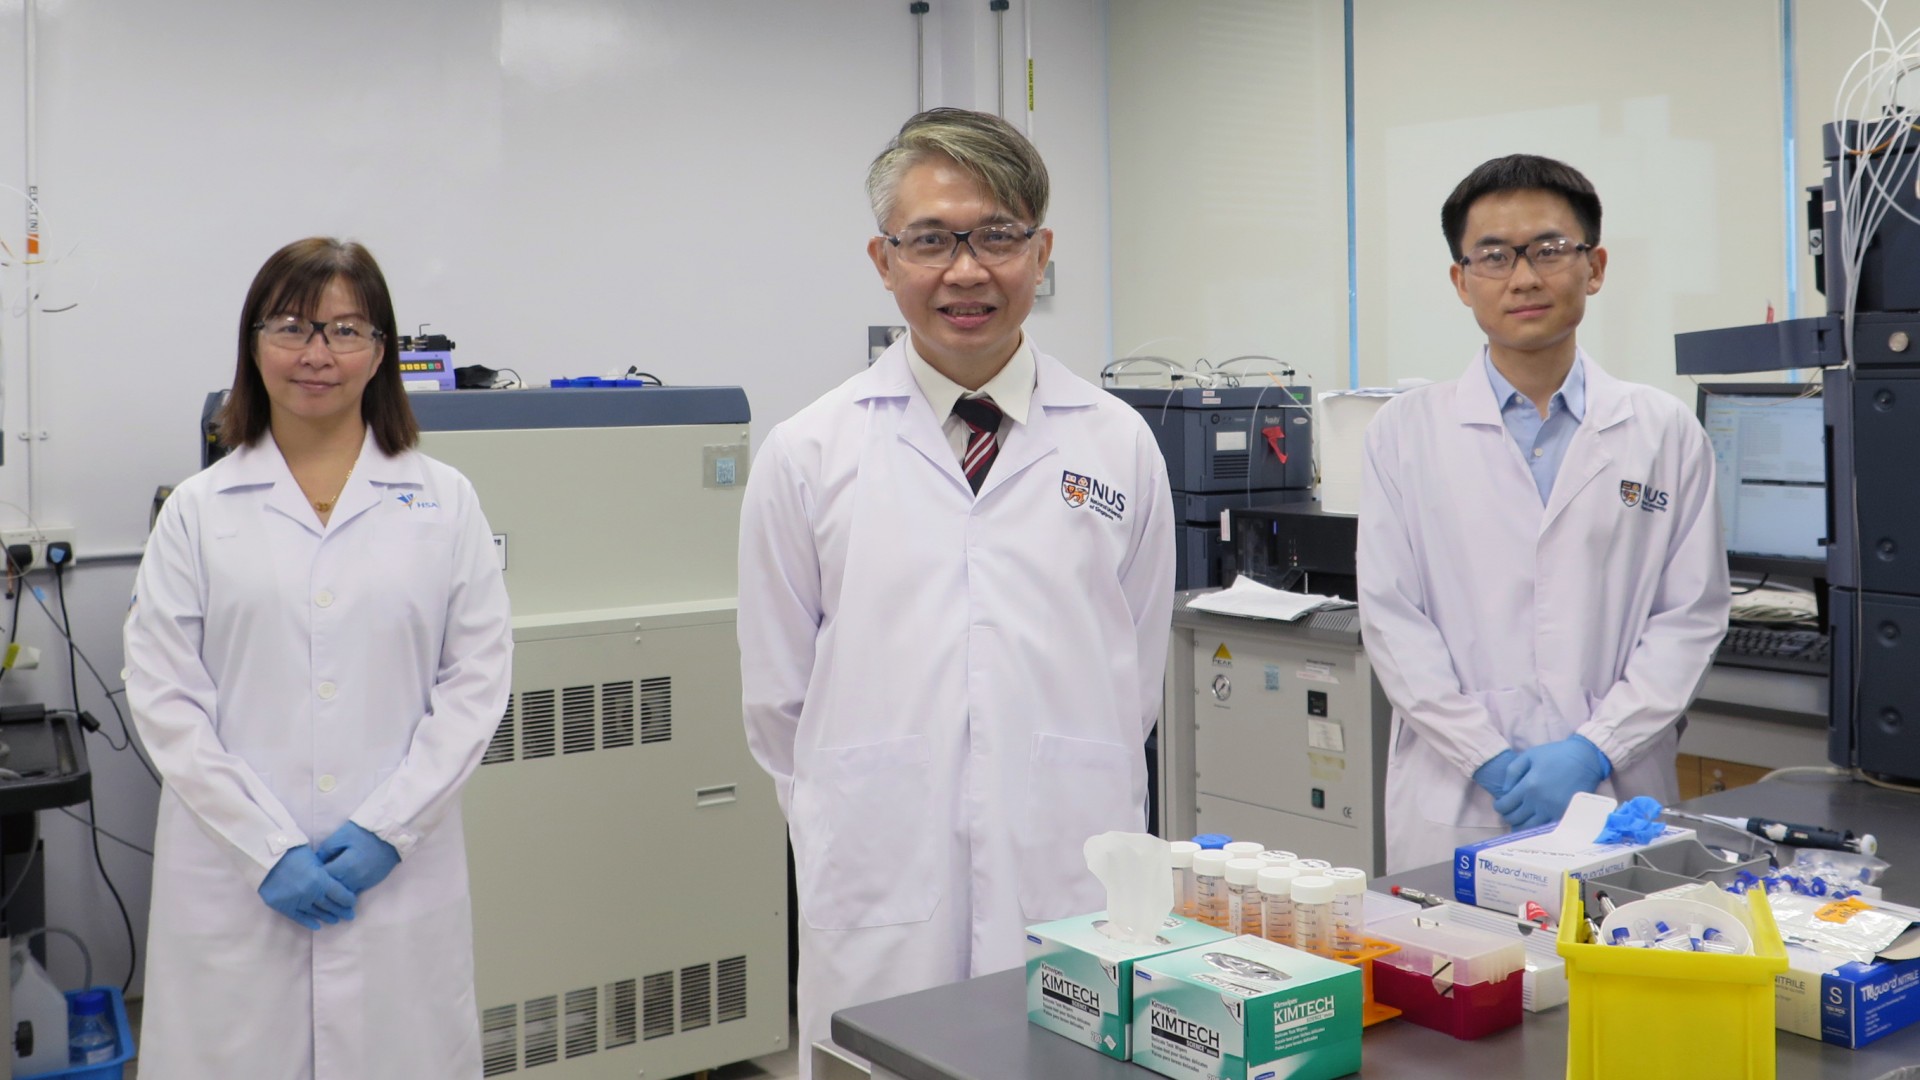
point(1850, 1005)
point(1507, 871)
point(1246, 1009)
point(1080, 981)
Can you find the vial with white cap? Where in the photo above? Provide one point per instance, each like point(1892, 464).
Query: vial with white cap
point(1210, 888)
point(1274, 857)
point(1243, 849)
point(1183, 852)
point(1243, 896)
point(1312, 910)
point(1313, 866)
point(1349, 906)
point(1276, 892)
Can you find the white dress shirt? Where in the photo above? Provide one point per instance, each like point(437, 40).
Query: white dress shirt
point(1011, 389)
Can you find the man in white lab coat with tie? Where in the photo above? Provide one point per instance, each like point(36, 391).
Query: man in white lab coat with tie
point(1543, 579)
point(956, 581)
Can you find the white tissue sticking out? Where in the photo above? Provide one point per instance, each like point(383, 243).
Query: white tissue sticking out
point(1137, 871)
point(1586, 815)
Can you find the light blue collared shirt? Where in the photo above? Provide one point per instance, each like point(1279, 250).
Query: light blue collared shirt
point(1543, 442)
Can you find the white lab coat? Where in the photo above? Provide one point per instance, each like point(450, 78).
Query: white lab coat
point(951, 693)
point(286, 677)
point(1494, 622)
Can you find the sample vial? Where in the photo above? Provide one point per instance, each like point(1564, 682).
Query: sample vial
point(1312, 911)
point(1349, 907)
point(1313, 866)
point(1243, 896)
point(1213, 841)
point(1276, 892)
point(1274, 857)
point(1183, 852)
point(1210, 888)
point(1243, 849)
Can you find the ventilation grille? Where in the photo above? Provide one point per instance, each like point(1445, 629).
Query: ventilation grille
point(570, 720)
point(576, 719)
point(583, 1022)
point(733, 989)
point(616, 714)
point(1232, 466)
point(656, 710)
point(622, 1013)
point(501, 748)
point(536, 724)
point(500, 1040)
point(696, 996)
point(656, 1016)
point(542, 1031)
point(612, 1016)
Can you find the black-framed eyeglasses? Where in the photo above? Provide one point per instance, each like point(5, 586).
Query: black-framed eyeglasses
point(990, 245)
point(343, 337)
point(1497, 261)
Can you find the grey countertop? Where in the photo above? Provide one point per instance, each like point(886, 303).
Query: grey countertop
point(978, 1030)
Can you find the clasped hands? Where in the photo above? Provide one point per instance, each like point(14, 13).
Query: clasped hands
point(1533, 786)
point(318, 886)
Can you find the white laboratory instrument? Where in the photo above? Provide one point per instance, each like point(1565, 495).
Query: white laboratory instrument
point(627, 855)
point(1275, 732)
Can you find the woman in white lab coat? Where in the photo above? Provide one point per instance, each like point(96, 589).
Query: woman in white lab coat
point(318, 651)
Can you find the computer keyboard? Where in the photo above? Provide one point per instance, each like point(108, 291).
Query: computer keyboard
point(1803, 652)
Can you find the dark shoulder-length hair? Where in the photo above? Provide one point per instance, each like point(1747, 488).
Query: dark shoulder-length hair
point(290, 283)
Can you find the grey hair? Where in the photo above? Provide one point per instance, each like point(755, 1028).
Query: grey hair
point(989, 148)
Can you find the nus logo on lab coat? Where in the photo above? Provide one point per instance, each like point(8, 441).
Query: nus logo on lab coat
point(1645, 497)
point(1079, 490)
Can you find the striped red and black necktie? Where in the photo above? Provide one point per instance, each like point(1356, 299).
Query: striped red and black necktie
point(983, 418)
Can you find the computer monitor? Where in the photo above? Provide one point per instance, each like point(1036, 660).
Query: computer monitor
point(1770, 455)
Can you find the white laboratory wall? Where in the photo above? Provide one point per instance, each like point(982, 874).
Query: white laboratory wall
point(1672, 110)
point(1229, 182)
point(563, 186)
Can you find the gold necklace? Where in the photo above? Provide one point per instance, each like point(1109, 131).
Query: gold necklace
point(325, 506)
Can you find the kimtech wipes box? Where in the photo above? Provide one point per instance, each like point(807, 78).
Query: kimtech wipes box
point(1080, 981)
point(1507, 871)
point(1247, 1009)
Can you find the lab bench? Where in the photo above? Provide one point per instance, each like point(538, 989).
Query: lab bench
point(978, 1030)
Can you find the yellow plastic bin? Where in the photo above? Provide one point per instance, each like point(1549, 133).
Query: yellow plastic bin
point(1653, 1015)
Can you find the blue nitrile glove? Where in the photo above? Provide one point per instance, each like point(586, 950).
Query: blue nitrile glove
point(1636, 821)
point(357, 858)
point(1555, 773)
point(302, 890)
point(1497, 774)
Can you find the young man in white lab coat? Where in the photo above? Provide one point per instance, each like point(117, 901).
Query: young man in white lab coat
point(956, 581)
point(1542, 575)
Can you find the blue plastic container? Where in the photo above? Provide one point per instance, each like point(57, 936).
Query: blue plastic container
point(112, 1070)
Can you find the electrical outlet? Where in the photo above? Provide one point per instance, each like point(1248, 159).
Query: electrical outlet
point(880, 339)
point(37, 540)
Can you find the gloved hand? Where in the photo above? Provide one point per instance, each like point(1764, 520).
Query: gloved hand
point(1497, 774)
point(357, 858)
point(302, 890)
point(1555, 773)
